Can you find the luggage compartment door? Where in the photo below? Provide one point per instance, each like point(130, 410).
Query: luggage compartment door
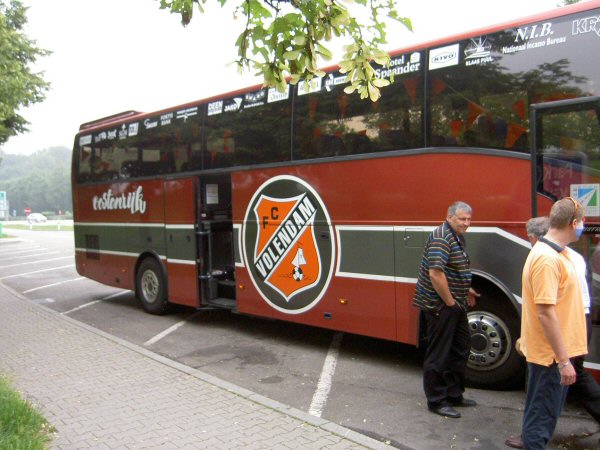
point(181, 241)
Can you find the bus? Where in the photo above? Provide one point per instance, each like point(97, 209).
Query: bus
point(312, 206)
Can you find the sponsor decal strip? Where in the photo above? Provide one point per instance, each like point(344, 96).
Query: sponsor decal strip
point(502, 233)
point(239, 262)
point(491, 230)
point(120, 224)
point(135, 255)
point(180, 226)
point(375, 277)
point(111, 252)
point(137, 224)
point(181, 261)
point(364, 276)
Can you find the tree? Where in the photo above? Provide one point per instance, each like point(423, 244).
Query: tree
point(285, 38)
point(40, 181)
point(19, 86)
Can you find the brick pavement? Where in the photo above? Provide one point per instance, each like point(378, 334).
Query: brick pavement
point(101, 392)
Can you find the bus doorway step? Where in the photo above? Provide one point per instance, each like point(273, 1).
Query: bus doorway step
point(226, 288)
point(220, 302)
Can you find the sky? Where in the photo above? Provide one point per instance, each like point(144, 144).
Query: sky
point(111, 56)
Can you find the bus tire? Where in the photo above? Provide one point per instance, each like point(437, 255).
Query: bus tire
point(494, 325)
point(151, 287)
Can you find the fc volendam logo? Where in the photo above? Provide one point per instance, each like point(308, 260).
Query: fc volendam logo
point(288, 244)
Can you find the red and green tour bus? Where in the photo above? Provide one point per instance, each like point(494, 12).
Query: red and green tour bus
point(312, 206)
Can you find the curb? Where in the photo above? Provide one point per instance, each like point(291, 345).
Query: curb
point(317, 422)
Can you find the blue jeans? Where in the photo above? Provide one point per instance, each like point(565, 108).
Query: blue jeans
point(543, 404)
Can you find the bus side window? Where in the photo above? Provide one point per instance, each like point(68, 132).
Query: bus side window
point(84, 170)
point(357, 143)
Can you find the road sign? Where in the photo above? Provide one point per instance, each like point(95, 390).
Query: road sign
point(3, 203)
point(27, 211)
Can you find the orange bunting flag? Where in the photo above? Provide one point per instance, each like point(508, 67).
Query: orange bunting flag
point(519, 108)
point(410, 84)
point(456, 126)
point(437, 86)
point(342, 101)
point(312, 107)
point(513, 133)
point(473, 112)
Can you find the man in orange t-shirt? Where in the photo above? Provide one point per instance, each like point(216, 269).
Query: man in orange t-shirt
point(552, 323)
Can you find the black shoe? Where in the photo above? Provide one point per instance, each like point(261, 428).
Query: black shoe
point(462, 402)
point(446, 411)
point(514, 442)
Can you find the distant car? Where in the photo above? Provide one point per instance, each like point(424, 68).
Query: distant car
point(36, 218)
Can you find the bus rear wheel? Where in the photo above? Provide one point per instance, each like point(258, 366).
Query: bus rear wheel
point(151, 287)
point(494, 326)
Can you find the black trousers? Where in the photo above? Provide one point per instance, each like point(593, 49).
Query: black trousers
point(585, 390)
point(448, 344)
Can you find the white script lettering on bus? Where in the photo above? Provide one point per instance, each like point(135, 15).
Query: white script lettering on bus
point(133, 201)
point(398, 66)
point(587, 25)
point(533, 32)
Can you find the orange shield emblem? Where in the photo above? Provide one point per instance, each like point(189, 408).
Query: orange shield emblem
point(288, 245)
point(286, 255)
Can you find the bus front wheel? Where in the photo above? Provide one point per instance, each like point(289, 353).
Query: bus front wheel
point(151, 287)
point(494, 327)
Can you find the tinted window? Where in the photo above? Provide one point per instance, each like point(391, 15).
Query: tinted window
point(329, 122)
point(480, 89)
point(250, 128)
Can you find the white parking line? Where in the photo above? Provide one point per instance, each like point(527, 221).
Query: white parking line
point(53, 284)
point(28, 250)
point(35, 262)
point(35, 271)
point(170, 330)
point(85, 305)
point(326, 378)
point(35, 254)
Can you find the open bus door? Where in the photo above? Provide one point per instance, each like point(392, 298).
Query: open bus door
point(565, 154)
point(215, 242)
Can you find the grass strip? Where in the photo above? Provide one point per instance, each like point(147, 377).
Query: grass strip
point(38, 227)
point(21, 426)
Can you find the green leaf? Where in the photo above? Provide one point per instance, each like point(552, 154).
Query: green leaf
point(293, 54)
point(289, 40)
point(299, 39)
point(381, 82)
point(324, 52)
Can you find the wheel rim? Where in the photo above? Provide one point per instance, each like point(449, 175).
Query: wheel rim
point(490, 341)
point(150, 286)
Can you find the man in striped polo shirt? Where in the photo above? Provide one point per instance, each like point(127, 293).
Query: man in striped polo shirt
point(443, 293)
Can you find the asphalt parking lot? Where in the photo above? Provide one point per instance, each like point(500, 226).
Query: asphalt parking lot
point(373, 386)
